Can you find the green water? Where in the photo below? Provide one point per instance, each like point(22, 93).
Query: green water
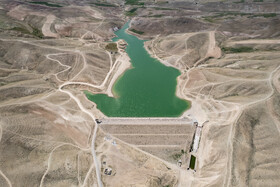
point(192, 162)
point(146, 90)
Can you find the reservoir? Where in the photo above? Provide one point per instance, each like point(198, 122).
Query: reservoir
point(145, 90)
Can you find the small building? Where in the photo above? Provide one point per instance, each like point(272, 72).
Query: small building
point(179, 163)
point(197, 138)
point(108, 171)
point(98, 121)
point(114, 143)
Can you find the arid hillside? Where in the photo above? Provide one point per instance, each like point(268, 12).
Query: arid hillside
point(234, 86)
point(53, 52)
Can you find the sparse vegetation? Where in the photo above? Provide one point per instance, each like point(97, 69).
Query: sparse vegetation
point(112, 47)
point(237, 50)
point(241, 1)
point(104, 4)
point(131, 12)
point(161, 2)
point(136, 31)
point(177, 156)
point(209, 19)
point(133, 2)
point(269, 15)
point(45, 3)
point(21, 29)
point(35, 32)
point(159, 8)
point(38, 33)
point(156, 16)
point(258, 0)
point(223, 14)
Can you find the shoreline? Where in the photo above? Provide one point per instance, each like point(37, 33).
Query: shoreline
point(124, 63)
point(178, 80)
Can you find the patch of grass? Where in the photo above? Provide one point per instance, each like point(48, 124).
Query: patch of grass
point(156, 16)
point(250, 15)
point(177, 156)
point(241, 1)
point(159, 8)
point(131, 12)
point(258, 0)
point(136, 31)
point(232, 95)
point(222, 14)
point(104, 4)
point(133, 2)
point(2, 83)
point(161, 2)
point(35, 32)
point(38, 33)
point(269, 15)
point(20, 29)
point(113, 47)
point(237, 50)
point(45, 3)
point(209, 19)
point(192, 162)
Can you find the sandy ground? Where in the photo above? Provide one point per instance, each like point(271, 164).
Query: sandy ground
point(272, 41)
point(201, 87)
point(47, 25)
point(122, 64)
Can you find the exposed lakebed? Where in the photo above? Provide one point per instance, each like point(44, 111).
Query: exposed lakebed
point(145, 90)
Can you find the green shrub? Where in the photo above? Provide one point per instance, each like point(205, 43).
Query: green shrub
point(104, 4)
point(111, 47)
point(131, 12)
point(20, 29)
point(38, 33)
point(45, 3)
point(136, 31)
point(133, 2)
point(237, 50)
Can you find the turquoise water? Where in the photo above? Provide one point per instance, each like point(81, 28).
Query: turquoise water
point(146, 90)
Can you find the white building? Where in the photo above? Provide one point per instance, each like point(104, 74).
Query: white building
point(197, 137)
